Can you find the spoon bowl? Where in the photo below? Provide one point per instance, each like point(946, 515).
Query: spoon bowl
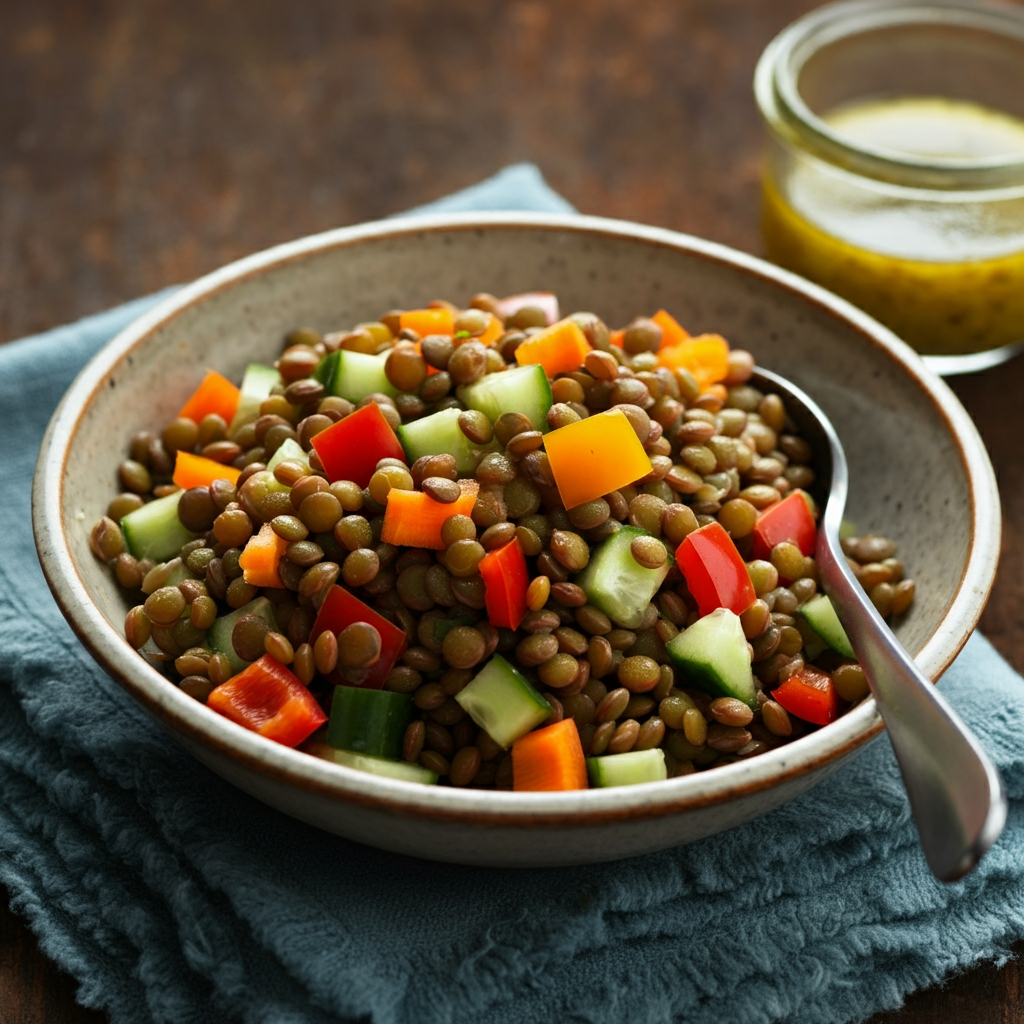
point(956, 795)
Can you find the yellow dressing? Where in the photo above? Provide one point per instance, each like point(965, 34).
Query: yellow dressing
point(944, 270)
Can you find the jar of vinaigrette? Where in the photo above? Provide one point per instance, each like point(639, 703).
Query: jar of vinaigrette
point(895, 167)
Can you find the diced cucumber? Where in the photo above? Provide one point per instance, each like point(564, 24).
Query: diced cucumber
point(155, 531)
point(440, 434)
point(712, 655)
point(820, 615)
point(629, 769)
point(289, 451)
point(257, 382)
point(354, 375)
point(502, 702)
point(814, 646)
point(218, 636)
point(326, 370)
point(525, 389)
point(177, 571)
point(369, 721)
point(617, 583)
point(402, 770)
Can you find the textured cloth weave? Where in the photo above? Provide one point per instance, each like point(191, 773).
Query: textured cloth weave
point(173, 897)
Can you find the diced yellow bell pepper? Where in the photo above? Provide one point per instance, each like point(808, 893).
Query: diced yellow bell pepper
point(595, 455)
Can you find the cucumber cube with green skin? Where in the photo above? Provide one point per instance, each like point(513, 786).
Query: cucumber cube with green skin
point(257, 382)
point(502, 702)
point(525, 389)
point(616, 583)
point(154, 530)
point(218, 636)
point(402, 770)
point(713, 656)
point(820, 615)
point(369, 722)
point(440, 434)
point(354, 375)
point(629, 769)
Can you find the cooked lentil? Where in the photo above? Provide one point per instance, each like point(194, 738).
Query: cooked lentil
point(725, 452)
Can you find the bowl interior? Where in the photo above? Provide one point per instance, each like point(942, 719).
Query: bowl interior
point(912, 478)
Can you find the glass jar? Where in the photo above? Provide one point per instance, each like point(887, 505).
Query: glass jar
point(895, 167)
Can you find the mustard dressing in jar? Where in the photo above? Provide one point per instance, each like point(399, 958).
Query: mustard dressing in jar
point(895, 170)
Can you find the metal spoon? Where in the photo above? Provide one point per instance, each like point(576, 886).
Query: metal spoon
point(956, 795)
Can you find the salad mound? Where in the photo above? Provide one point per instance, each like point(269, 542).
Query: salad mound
point(492, 546)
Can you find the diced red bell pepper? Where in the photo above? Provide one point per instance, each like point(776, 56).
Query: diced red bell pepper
point(787, 520)
point(505, 583)
point(341, 609)
point(269, 698)
point(809, 694)
point(715, 573)
point(351, 448)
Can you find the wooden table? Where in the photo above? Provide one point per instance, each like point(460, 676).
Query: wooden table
point(144, 143)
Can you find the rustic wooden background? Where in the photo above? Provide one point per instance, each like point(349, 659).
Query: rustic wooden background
point(145, 142)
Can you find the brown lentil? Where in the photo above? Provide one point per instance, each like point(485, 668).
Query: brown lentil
point(711, 458)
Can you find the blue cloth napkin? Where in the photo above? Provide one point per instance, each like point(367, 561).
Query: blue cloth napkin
point(173, 897)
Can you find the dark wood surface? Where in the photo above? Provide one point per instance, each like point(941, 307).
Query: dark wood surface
point(145, 142)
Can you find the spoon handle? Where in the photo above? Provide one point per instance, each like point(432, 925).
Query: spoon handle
point(956, 795)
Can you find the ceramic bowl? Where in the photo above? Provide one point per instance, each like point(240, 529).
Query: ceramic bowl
point(919, 473)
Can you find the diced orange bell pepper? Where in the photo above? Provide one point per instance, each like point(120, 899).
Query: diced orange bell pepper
point(495, 329)
point(261, 556)
point(215, 394)
point(198, 471)
point(672, 332)
point(428, 321)
point(560, 348)
point(595, 455)
point(706, 356)
point(414, 519)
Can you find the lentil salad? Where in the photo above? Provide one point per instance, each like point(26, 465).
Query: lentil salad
point(450, 604)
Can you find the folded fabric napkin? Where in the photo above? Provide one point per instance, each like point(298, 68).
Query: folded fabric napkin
point(174, 897)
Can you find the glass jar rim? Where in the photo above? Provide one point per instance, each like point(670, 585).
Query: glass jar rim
point(788, 114)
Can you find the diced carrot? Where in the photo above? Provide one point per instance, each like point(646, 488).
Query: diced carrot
point(428, 321)
point(560, 348)
point(261, 556)
point(549, 759)
point(672, 332)
point(215, 394)
point(414, 519)
point(593, 456)
point(198, 471)
point(616, 337)
point(720, 391)
point(706, 356)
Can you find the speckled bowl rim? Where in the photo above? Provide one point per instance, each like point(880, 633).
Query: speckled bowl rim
point(194, 722)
